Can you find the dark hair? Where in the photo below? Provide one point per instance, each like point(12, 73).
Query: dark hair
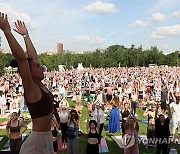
point(161, 115)
point(76, 114)
point(92, 121)
point(55, 95)
point(14, 63)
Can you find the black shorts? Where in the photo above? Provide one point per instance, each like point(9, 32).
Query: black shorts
point(109, 98)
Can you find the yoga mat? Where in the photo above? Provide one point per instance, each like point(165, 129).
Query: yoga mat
point(3, 125)
point(1, 139)
point(103, 148)
point(60, 144)
point(118, 140)
point(8, 142)
point(145, 122)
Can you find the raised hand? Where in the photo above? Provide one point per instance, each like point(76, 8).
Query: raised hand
point(20, 28)
point(4, 24)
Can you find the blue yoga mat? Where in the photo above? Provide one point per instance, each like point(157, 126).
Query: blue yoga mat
point(145, 122)
point(103, 148)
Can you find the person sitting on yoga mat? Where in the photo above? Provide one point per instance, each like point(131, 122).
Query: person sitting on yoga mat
point(15, 128)
point(38, 98)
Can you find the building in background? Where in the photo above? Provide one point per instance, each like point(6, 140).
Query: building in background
point(59, 48)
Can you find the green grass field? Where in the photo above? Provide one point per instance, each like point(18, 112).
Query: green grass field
point(113, 147)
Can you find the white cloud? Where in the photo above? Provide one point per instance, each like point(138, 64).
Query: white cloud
point(158, 17)
point(14, 15)
point(88, 40)
point(173, 30)
point(101, 8)
point(176, 14)
point(162, 32)
point(138, 23)
point(156, 37)
point(82, 38)
point(165, 4)
point(99, 40)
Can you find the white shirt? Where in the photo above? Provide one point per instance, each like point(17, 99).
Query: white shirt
point(101, 115)
point(2, 100)
point(176, 110)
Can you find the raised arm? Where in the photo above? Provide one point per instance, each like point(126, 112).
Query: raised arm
point(17, 52)
point(22, 30)
point(169, 112)
point(156, 113)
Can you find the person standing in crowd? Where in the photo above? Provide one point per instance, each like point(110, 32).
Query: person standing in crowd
point(114, 120)
point(109, 93)
point(125, 112)
point(78, 97)
point(15, 128)
point(162, 131)
point(134, 102)
point(93, 136)
point(39, 100)
point(132, 129)
point(2, 103)
point(98, 112)
point(64, 114)
point(14, 107)
point(175, 107)
point(73, 121)
point(54, 130)
point(150, 112)
point(62, 91)
point(164, 98)
point(56, 108)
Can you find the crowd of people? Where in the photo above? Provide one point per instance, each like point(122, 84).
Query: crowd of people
point(115, 92)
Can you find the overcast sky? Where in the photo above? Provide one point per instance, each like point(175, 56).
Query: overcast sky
point(85, 25)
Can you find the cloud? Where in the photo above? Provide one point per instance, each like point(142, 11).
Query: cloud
point(158, 17)
point(99, 40)
point(154, 36)
point(14, 15)
point(167, 31)
point(87, 39)
point(138, 23)
point(176, 14)
point(165, 4)
point(101, 8)
point(82, 38)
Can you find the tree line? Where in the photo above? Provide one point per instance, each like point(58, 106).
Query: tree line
point(113, 56)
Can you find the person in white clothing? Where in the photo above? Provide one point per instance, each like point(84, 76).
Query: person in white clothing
point(98, 107)
point(175, 108)
point(2, 103)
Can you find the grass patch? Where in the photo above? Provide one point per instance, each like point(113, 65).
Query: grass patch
point(113, 147)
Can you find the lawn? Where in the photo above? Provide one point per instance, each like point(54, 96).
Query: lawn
point(113, 147)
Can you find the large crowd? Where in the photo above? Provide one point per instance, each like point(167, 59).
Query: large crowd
point(115, 92)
